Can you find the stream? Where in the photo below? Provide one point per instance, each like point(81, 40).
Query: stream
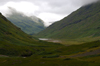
point(50, 40)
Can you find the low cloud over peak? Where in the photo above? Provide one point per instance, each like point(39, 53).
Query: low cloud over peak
point(47, 10)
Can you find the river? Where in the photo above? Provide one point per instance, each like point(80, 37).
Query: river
point(50, 40)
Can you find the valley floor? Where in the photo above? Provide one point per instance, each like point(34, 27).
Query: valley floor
point(87, 54)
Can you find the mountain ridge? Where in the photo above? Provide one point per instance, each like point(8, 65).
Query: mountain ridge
point(81, 23)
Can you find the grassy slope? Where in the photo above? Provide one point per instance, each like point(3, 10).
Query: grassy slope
point(84, 22)
point(18, 45)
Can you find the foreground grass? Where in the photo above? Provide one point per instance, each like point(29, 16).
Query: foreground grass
point(40, 62)
point(57, 55)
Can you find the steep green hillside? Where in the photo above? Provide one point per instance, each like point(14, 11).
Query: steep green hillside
point(84, 22)
point(30, 25)
point(14, 42)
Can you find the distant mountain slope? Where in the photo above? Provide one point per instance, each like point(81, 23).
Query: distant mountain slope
point(29, 25)
point(84, 22)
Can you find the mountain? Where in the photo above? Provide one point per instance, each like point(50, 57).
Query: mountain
point(84, 22)
point(14, 42)
point(11, 37)
point(20, 49)
point(30, 25)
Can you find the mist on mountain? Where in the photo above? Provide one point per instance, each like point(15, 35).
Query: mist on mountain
point(29, 24)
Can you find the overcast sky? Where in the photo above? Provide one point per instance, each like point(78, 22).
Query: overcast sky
point(48, 10)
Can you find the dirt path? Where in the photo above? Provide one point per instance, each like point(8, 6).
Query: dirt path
point(3, 56)
point(87, 53)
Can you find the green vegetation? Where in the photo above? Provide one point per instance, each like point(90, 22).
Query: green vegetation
point(20, 49)
point(55, 55)
point(14, 42)
point(30, 25)
point(83, 23)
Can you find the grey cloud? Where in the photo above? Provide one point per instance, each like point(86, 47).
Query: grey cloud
point(58, 2)
point(56, 6)
point(55, 3)
point(61, 7)
point(64, 6)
